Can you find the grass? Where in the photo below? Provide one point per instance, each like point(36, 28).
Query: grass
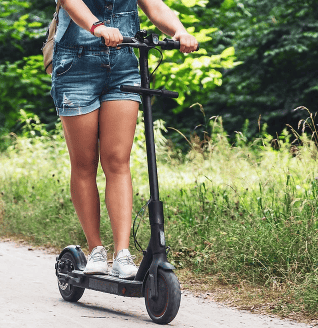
point(240, 216)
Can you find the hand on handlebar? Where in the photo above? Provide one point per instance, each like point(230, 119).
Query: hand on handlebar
point(188, 43)
point(111, 35)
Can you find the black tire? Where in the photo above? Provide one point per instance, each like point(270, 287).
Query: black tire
point(164, 309)
point(69, 293)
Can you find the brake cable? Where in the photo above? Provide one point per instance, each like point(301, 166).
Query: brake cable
point(135, 228)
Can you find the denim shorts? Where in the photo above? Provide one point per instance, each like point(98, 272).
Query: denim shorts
point(84, 77)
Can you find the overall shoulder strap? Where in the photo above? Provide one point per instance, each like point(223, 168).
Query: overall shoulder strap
point(58, 6)
point(56, 14)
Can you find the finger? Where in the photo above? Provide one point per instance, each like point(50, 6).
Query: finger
point(183, 45)
point(120, 40)
point(116, 37)
point(113, 39)
point(119, 36)
point(188, 43)
point(187, 47)
point(192, 45)
point(106, 38)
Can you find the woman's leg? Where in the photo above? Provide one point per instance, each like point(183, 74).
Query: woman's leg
point(81, 134)
point(117, 122)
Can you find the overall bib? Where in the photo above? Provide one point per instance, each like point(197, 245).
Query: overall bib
point(85, 71)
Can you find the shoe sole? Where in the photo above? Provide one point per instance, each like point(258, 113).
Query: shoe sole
point(116, 274)
point(96, 272)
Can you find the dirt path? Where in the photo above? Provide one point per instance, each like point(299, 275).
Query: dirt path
point(29, 297)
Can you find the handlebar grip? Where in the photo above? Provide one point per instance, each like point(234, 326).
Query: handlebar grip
point(170, 94)
point(126, 39)
point(169, 44)
point(175, 45)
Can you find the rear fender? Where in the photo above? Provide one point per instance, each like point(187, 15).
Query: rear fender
point(79, 256)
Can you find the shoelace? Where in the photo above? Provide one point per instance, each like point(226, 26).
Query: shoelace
point(127, 260)
point(97, 256)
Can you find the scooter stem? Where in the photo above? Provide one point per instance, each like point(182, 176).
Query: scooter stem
point(150, 143)
point(155, 256)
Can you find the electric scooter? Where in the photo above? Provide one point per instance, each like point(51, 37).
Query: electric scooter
point(155, 279)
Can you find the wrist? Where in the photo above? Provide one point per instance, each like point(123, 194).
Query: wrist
point(95, 25)
point(181, 31)
point(99, 30)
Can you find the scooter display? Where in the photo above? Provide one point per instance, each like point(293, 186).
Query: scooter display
point(155, 279)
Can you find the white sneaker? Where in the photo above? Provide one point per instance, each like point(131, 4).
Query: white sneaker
point(124, 266)
point(97, 261)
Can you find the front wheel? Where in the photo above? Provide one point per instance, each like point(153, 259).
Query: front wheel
point(163, 309)
point(69, 292)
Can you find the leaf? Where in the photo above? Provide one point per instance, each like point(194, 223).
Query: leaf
point(189, 19)
point(189, 3)
point(228, 52)
point(227, 4)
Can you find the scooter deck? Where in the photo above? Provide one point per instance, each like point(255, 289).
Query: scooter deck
point(104, 283)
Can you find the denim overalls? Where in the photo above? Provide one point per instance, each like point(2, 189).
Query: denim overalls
point(85, 71)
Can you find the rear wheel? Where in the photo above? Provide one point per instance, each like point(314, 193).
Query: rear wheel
point(165, 307)
point(69, 292)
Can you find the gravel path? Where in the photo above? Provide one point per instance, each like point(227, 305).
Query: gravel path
point(29, 297)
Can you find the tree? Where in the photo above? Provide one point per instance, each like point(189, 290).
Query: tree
point(277, 43)
point(23, 83)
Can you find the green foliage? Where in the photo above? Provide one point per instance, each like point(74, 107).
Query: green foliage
point(23, 26)
point(277, 43)
point(192, 75)
point(307, 292)
point(23, 84)
point(256, 58)
point(10, 9)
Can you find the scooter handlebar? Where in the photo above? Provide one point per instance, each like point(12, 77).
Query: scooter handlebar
point(166, 44)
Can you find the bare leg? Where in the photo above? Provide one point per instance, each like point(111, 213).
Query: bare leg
point(81, 134)
point(117, 121)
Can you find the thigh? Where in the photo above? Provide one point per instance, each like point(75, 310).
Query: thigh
point(117, 123)
point(81, 135)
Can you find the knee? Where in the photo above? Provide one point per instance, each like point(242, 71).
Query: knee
point(84, 168)
point(115, 163)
